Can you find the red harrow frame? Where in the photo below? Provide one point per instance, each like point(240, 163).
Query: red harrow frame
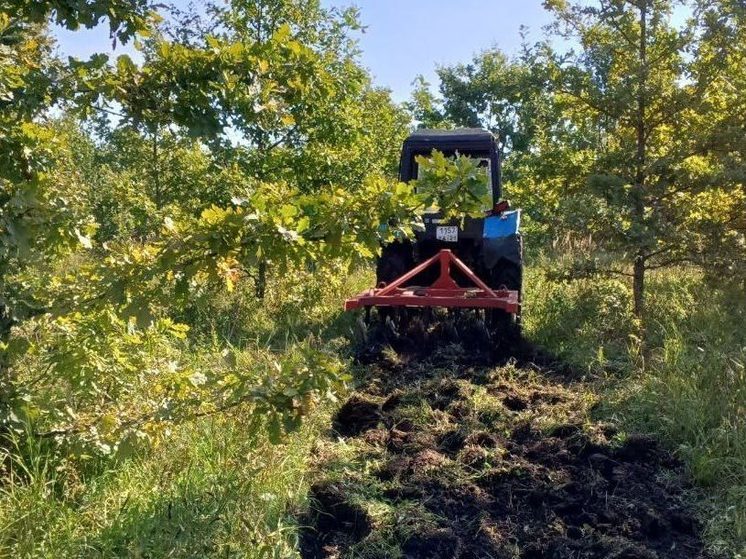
point(445, 292)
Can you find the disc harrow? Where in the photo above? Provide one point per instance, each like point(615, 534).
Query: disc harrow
point(444, 310)
point(444, 292)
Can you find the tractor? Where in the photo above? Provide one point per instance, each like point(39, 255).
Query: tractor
point(474, 263)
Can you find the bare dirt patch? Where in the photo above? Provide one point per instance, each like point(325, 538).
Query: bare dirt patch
point(462, 455)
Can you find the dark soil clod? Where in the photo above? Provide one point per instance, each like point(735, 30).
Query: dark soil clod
point(638, 447)
point(451, 442)
point(483, 439)
point(438, 544)
point(514, 403)
point(565, 430)
point(334, 520)
point(357, 415)
point(443, 395)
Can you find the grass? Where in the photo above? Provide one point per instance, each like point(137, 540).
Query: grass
point(211, 488)
point(693, 393)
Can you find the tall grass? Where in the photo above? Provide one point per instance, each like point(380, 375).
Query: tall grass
point(210, 487)
point(694, 393)
point(210, 490)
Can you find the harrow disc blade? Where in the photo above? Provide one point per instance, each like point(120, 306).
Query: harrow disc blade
point(424, 329)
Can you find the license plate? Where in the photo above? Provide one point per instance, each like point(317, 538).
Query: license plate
point(447, 233)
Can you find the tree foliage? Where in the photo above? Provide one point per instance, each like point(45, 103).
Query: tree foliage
point(257, 144)
point(459, 187)
point(632, 137)
point(125, 17)
point(654, 103)
point(250, 141)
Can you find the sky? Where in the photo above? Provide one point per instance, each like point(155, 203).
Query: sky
point(403, 38)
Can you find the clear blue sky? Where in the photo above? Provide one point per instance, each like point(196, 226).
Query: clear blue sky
point(409, 37)
point(403, 37)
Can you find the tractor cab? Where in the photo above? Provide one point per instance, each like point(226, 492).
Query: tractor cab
point(484, 251)
point(471, 142)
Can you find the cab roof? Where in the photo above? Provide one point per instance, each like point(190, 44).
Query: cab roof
point(450, 140)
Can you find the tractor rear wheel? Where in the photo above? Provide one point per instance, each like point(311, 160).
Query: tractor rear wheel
point(507, 275)
point(396, 260)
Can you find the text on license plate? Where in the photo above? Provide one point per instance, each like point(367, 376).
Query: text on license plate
point(447, 233)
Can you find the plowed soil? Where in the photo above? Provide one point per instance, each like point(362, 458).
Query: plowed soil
point(453, 454)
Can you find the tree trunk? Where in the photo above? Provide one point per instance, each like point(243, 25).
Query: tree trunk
point(261, 280)
point(156, 172)
point(638, 191)
point(638, 286)
point(7, 392)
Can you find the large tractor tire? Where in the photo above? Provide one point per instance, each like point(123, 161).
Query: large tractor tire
point(396, 260)
point(508, 275)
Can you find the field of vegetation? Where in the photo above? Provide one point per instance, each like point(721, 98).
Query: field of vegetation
point(179, 229)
